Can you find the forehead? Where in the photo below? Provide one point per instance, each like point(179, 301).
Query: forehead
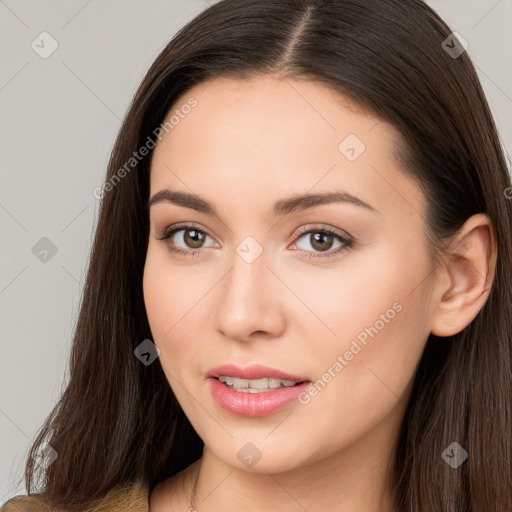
point(264, 135)
point(280, 116)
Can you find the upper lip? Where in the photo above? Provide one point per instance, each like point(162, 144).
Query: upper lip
point(253, 372)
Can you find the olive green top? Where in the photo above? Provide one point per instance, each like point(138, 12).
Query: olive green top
point(124, 498)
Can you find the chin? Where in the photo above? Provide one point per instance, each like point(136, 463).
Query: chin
point(256, 454)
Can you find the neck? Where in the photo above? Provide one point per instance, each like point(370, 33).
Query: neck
point(353, 479)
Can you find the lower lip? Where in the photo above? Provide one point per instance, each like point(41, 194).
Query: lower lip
point(254, 404)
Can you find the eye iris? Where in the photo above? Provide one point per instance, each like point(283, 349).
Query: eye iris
point(319, 237)
point(320, 240)
point(193, 237)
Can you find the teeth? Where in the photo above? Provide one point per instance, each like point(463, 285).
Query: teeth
point(255, 385)
point(258, 384)
point(240, 383)
point(274, 383)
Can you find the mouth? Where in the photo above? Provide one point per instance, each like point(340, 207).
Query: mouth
point(256, 385)
point(253, 373)
point(255, 390)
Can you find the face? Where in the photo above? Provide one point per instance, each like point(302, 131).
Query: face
point(333, 294)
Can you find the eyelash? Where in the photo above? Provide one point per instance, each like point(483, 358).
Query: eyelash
point(348, 243)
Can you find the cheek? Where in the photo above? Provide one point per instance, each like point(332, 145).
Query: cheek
point(168, 292)
point(174, 299)
point(364, 288)
point(157, 296)
point(164, 308)
point(377, 311)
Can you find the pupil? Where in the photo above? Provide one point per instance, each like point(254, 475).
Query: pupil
point(195, 237)
point(320, 239)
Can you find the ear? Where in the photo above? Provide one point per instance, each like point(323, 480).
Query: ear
point(466, 276)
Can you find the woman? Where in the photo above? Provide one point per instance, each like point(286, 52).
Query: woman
point(224, 359)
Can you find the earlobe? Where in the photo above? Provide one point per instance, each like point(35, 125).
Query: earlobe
point(468, 273)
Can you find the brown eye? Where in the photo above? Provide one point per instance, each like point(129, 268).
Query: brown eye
point(322, 240)
point(184, 239)
point(193, 238)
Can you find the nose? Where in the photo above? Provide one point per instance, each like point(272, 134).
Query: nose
point(250, 301)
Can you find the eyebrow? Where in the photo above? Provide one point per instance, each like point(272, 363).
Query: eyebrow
point(280, 208)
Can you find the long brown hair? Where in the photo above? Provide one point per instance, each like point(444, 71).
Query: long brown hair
point(118, 420)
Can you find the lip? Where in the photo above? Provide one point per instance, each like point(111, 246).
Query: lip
point(254, 404)
point(255, 371)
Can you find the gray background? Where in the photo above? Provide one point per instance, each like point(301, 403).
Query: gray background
point(59, 119)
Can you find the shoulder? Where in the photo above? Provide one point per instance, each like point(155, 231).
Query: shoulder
point(24, 503)
point(174, 493)
point(164, 496)
point(133, 497)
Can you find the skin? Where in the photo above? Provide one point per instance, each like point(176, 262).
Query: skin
point(246, 144)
